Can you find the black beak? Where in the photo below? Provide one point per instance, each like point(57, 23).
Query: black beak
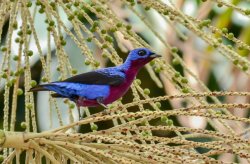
point(153, 55)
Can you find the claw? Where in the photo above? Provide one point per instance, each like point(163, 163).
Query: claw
point(99, 100)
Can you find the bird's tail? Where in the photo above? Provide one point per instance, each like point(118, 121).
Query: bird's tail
point(44, 87)
point(39, 88)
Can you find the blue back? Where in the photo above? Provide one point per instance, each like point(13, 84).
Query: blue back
point(71, 90)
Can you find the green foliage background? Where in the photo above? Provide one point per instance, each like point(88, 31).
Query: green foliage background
point(192, 105)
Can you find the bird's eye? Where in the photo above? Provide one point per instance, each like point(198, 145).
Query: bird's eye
point(142, 52)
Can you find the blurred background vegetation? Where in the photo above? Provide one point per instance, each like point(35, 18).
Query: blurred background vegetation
point(205, 46)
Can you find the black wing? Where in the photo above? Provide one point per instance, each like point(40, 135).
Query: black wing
point(95, 77)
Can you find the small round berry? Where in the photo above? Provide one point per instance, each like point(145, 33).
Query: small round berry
point(74, 71)
point(29, 4)
point(185, 90)
point(164, 118)
point(230, 35)
point(87, 62)
point(33, 83)
point(244, 67)
point(184, 80)
point(29, 52)
point(19, 91)
point(29, 106)
point(146, 91)
point(23, 125)
point(169, 122)
point(174, 49)
point(71, 106)
point(44, 79)
point(224, 30)
point(158, 104)
point(94, 127)
point(176, 61)
point(15, 58)
point(138, 81)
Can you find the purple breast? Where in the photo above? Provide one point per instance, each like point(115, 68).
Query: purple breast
point(118, 91)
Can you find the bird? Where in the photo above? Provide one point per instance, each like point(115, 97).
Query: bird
point(102, 86)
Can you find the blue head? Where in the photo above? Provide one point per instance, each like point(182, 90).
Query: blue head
point(137, 58)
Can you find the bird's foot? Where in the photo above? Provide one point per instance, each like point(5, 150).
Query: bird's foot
point(105, 112)
point(100, 100)
point(79, 112)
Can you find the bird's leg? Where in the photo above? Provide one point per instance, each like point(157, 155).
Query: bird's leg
point(78, 107)
point(79, 112)
point(100, 100)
